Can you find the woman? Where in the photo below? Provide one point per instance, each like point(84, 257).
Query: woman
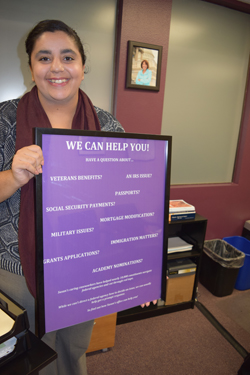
point(57, 62)
point(144, 76)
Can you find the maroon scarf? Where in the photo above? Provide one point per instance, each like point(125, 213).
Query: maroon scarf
point(30, 114)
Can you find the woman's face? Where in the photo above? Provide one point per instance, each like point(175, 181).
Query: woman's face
point(144, 66)
point(56, 68)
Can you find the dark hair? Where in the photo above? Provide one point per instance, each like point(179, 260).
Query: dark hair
point(146, 62)
point(52, 26)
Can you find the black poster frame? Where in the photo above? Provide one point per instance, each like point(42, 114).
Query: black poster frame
point(38, 133)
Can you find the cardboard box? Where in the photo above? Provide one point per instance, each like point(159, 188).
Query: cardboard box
point(180, 284)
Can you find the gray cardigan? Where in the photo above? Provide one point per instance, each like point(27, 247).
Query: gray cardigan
point(9, 209)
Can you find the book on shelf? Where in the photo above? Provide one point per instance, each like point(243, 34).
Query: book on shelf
point(174, 216)
point(179, 205)
point(177, 244)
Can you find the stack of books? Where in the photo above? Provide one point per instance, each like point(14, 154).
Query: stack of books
point(177, 244)
point(181, 210)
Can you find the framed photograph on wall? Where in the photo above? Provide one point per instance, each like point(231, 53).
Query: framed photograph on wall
point(143, 66)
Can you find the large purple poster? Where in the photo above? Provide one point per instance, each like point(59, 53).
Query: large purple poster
point(103, 201)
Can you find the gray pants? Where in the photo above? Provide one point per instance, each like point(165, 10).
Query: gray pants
point(70, 343)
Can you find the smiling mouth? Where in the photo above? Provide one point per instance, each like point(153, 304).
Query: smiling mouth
point(58, 80)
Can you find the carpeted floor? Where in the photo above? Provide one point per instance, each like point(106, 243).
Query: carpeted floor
point(238, 309)
point(232, 311)
point(181, 343)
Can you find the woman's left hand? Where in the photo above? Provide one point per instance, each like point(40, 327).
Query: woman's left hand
point(154, 301)
point(148, 303)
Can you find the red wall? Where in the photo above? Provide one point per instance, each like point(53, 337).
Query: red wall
point(146, 21)
point(226, 206)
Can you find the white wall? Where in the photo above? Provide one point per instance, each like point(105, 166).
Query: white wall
point(94, 22)
point(206, 74)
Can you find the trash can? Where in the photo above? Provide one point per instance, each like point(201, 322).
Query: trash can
point(242, 244)
point(220, 266)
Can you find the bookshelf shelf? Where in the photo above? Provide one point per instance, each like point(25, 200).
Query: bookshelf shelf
point(192, 231)
point(184, 254)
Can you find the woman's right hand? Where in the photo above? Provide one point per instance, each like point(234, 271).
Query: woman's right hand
point(27, 163)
